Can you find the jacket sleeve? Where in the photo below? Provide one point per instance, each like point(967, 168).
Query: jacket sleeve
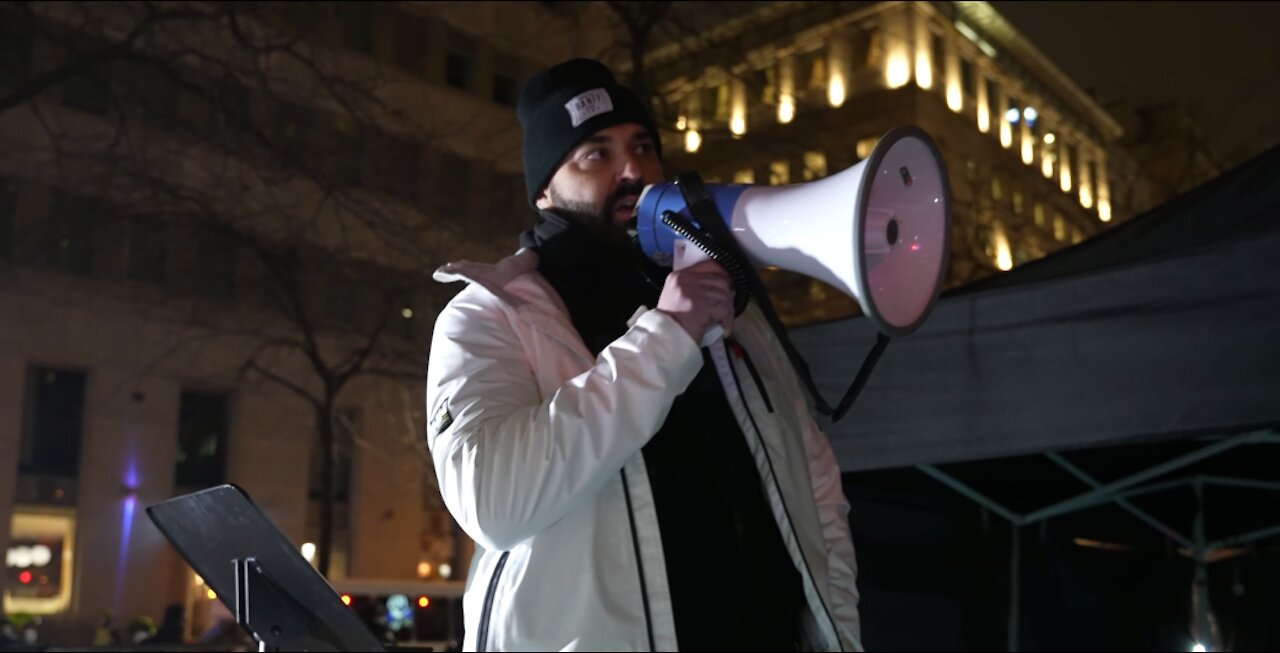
point(511, 462)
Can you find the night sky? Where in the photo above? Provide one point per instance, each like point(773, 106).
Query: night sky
point(1219, 59)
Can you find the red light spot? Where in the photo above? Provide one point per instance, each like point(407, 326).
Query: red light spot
point(915, 247)
point(24, 577)
point(346, 599)
point(423, 602)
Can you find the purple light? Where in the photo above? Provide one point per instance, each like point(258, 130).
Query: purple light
point(126, 527)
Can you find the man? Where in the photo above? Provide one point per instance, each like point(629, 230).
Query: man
point(625, 489)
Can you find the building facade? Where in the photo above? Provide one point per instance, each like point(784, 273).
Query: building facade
point(143, 352)
point(791, 92)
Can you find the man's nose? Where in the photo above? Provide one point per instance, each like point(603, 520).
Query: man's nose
point(631, 167)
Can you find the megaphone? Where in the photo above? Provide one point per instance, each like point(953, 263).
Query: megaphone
point(878, 231)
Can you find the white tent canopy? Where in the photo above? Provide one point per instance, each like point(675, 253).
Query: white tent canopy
point(1166, 326)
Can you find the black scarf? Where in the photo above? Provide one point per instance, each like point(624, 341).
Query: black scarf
point(601, 286)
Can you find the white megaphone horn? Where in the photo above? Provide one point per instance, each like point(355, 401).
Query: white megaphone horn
point(879, 231)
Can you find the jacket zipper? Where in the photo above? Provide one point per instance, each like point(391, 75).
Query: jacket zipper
point(835, 630)
point(482, 637)
point(741, 352)
point(635, 543)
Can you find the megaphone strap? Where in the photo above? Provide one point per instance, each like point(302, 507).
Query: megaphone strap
point(711, 224)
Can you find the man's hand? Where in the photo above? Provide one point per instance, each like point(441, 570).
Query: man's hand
point(698, 297)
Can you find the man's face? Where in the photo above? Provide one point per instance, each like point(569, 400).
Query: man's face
point(600, 180)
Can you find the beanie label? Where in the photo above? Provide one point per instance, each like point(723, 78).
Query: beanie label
point(588, 105)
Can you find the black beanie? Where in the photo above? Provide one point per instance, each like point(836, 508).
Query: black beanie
point(561, 106)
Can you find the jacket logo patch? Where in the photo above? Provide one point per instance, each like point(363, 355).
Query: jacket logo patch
point(442, 419)
point(588, 105)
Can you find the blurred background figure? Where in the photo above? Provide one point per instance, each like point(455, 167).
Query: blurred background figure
point(105, 634)
point(170, 631)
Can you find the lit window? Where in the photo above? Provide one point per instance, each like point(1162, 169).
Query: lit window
point(744, 176)
point(1004, 256)
point(1039, 213)
point(815, 166)
point(1059, 228)
point(866, 146)
point(997, 191)
point(779, 173)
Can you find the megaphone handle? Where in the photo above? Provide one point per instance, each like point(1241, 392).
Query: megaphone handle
point(687, 254)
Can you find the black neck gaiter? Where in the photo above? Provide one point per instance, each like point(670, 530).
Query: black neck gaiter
point(601, 286)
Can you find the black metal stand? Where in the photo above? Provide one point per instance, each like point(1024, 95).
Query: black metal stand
point(277, 621)
point(275, 594)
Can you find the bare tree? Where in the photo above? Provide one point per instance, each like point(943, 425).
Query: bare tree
point(317, 182)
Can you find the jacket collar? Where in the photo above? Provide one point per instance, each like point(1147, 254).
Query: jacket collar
point(515, 281)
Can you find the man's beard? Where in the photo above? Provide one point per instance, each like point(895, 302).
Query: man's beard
point(599, 221)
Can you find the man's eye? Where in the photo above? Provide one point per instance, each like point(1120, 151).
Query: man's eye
point(644, 148)
point(594, 155)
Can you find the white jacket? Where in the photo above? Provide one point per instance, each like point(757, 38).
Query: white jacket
point(537, 449)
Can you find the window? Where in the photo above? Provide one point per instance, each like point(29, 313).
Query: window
point(815, 166)
point(344, 434)
point(357, 24)
point(997, 190)
point(744, 176)
point(69, 234)
point(147, 251)
point(228, 109)
point(342, 301)
point(453, 185)
point(158, 95)
point(779, 173)
point(459, 62)
point(866, 146)
point(86, 92)
point(1059, 227)
point(52, 422)
point(860, 48)
point(342, 143)
point(298, 19)
point(15, 50)
point(936, 55)
point(1039, 214)
point(403, 320)
point(214, 267)
point(293, 126)
point(392, 165)
point(504, 200)
point(968, 84)
point(203, 426)
point(505, 89)
point(1017, 202)
point(761, 85)
point(411, 43)
point(811, 70)
point(717, 98)
point(8, 207)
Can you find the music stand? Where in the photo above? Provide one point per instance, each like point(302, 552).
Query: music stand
point(275, 594)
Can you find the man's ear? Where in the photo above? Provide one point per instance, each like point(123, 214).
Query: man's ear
point(543, 200)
